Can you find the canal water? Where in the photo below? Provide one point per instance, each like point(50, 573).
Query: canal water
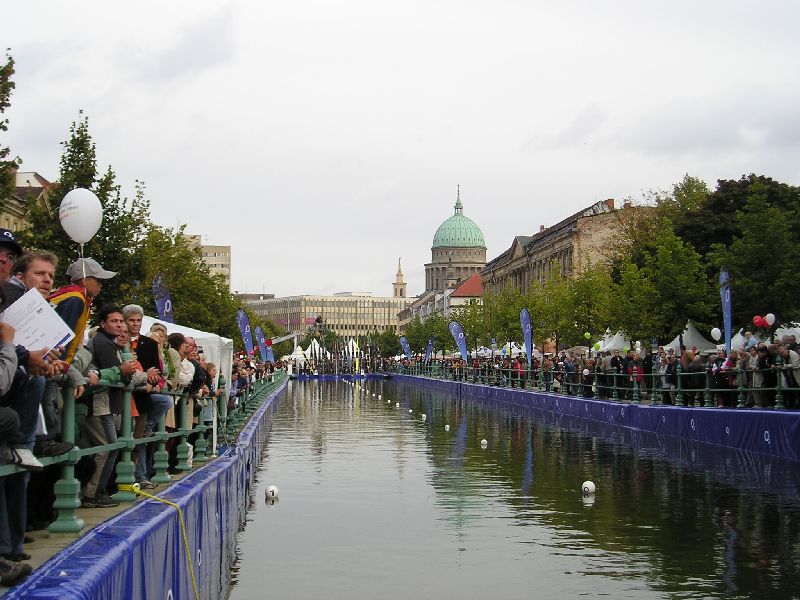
point(377, 502)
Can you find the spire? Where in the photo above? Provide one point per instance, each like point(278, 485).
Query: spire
point(399, 285)
point(459, 207)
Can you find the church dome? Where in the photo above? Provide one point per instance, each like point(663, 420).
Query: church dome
point(458, 231)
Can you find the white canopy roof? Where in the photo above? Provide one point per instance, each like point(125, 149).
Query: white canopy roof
point(217, 349)
point(315, 350)
point(691, 338)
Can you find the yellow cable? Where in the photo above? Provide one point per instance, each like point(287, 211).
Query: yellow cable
point(136, 490)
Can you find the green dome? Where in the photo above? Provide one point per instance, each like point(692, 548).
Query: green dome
point(458, 231)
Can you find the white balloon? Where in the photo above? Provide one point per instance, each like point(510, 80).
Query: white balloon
point(80, 214)
point(770, 319)
point(716, 334)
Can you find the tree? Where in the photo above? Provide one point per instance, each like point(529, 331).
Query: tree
point(762, 260)
point(118, 243)
point(7, 167)
point(634, 309)
point(590, 295)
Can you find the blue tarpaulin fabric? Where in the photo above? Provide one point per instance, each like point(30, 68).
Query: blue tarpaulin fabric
point(140, 552)
point(771, 432)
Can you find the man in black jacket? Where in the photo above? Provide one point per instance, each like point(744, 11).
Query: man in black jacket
point(99, 428)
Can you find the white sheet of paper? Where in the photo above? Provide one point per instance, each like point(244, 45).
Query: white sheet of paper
point(37, 324)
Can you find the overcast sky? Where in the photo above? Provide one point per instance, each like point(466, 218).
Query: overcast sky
point(324, 139)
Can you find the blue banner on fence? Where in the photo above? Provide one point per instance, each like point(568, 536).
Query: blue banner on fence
point(244, 327)
point(525, 321)
point(405, 346)
point(428, 351)
point(459, 337)
point(163, 300)
point(261, 340)
point(725, 294)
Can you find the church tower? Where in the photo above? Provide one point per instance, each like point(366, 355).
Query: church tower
point(399, 284)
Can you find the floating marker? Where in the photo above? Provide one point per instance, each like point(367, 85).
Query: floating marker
point(484, 443)
point(424, 416)
point(397, 405)
point(447, 427)
point(272, 492)
point(388, 402)
point(588, 487)
point(410, 410)
point(379, 397)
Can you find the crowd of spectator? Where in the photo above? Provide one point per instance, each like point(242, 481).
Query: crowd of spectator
point(754, 369)
point(163, 370)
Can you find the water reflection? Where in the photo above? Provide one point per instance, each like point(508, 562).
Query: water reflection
point(364, 481)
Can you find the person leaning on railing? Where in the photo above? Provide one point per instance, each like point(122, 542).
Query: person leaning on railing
point(105, 406)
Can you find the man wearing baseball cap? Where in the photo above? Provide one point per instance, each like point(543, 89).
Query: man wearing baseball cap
point(72, 302)
point(10, 250)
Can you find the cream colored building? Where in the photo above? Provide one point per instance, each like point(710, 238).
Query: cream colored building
point(218, 258)
point(579, 240)
point(28, 184)
point(348, 314)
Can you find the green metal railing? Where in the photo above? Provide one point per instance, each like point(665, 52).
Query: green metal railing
point(67, 488)
point(732, 388)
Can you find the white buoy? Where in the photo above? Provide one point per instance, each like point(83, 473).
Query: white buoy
point(484, 443)
point(411, 410)
point(588, 487)
point(447, 427)
point(272, 491)
point(388, 402)
point(424, 416)
point(397, 405)
point(379, 397)
point(373, 394)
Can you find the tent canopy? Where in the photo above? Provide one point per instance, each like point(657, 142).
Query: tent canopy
point(618, 341)
point(217, 349)
point(691, 338)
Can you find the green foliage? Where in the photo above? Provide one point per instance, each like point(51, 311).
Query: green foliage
point(7, 167)
point(762, 259)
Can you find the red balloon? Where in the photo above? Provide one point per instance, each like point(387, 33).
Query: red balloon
point(756, 321)
point(764, 323)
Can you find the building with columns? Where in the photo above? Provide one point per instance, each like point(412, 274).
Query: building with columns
point(457, 253)
point(578, 241)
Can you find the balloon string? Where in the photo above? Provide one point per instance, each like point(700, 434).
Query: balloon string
point(83, 263)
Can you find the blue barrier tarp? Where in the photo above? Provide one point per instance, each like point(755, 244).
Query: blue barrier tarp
point(140, 552)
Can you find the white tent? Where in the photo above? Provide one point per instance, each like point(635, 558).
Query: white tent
point(315, 350)
point(217, 349)
point(298, 355)
point(691, 338)
point(618, 341)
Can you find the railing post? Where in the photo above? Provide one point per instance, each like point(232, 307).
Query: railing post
point(708, 401)
point(596, 382)
point(200, 444)
point(740, 403)
point(67, 489)
point(615, 391)
point(635, 398)
point(125, 465)
point(778, 383)
point(161, 456)
point(655, 395)
point(679, 393)
point(182, 450)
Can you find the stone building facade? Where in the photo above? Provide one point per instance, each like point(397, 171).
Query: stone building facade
point(580, 240)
